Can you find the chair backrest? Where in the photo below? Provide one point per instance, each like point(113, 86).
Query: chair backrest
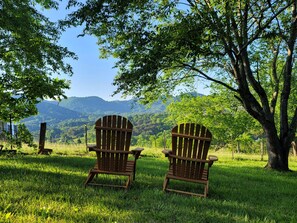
point(113, 137)
point(190, 142)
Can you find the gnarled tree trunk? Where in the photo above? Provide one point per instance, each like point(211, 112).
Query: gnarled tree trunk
point(278, 153)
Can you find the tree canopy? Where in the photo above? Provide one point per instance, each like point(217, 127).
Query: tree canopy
point(30, 58)
point(246, 46)
point(223, 115)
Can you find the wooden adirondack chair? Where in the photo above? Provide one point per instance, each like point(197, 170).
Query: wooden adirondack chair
point(113, 136)
point(188, 157)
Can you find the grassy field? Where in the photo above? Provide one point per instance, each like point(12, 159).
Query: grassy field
point(36, 188)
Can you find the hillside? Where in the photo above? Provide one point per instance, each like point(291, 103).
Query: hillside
point(52, 113)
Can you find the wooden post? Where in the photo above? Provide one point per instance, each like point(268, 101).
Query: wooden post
point(86, 137)
point(164, 139)
point(42, 132)
point(10, 130)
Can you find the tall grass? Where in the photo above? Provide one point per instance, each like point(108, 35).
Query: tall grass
point(37, 188)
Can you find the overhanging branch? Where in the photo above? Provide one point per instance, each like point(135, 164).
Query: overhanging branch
point(207, 77)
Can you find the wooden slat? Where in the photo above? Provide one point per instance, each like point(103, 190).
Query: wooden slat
point(174, 143)
point(190, 151)
point(177, 165)
point(120, 140)
point(199, 133)
point(185, 151)
point(104, 144)
point(115, 157)
point(111, 128)
point(188, 159)
point(191, 137)
point(111, 151)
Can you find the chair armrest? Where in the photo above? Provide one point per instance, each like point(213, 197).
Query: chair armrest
point(166, 152)
point(136, 152)
point(91, 147)
point(212, 159)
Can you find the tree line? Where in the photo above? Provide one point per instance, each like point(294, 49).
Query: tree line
point(232, 127)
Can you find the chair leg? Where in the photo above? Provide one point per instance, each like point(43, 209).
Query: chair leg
point(206, 190)
point(128, 182)
point(165, 183)
point(134, 170)
point(90, 178)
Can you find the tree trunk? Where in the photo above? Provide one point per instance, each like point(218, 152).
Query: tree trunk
point(278, 154)
point(238, 147)
point(294, 148)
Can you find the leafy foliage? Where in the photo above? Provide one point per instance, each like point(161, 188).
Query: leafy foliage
point(24, 136)
point(222, 114)
point(19, 138)
point(30, 58)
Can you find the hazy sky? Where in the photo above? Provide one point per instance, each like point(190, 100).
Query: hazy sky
point(92, 76)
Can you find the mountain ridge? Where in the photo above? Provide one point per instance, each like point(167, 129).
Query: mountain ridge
point(89, 109)
point(74, 108)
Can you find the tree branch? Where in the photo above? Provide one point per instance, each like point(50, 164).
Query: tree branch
point(275, 79)
point(267, 24)
point(287, 75)
point(207, 77)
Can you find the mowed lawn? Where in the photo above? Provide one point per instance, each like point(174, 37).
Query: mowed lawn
point(36, 188)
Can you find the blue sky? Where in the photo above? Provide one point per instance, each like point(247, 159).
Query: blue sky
point(92, 76)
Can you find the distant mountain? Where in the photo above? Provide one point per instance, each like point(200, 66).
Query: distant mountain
point(91, 105)
point(96, 105)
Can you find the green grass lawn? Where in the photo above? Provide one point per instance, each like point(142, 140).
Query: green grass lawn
point(36, 188)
